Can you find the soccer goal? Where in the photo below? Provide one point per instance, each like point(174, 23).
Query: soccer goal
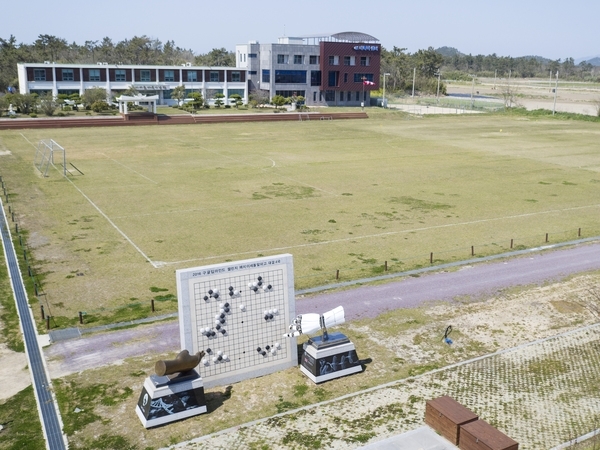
point(44, 156)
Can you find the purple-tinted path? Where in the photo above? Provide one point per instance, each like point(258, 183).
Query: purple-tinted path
point(471, 280)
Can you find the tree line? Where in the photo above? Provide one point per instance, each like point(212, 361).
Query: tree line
point(400, 66)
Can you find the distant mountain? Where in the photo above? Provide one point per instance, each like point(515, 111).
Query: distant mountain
point(448, 51)
point(594, 60)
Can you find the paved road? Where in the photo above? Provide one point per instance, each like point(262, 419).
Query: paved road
point(475, 280)
point(48, 412)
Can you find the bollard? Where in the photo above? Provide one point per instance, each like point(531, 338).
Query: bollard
point(42, 309)
point(385, 266)
point(13, 217)
point(17, 228)
point(152, 304)
point(579, 233)
point(35, 289)
point(511, 243)
point(47, 322)
point(431, 258)
point(546, 237)
point(80, 318)
point(25, 255)
point(472, 250)
point(29, 271)
point(337, 274)
point(20, 241)
point(9, 209)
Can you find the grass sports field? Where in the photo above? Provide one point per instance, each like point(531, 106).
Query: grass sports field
point(344, 195)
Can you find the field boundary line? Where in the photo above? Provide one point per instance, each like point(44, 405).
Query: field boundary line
point(121, 232)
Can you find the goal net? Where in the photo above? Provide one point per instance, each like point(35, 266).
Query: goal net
point(44, 156)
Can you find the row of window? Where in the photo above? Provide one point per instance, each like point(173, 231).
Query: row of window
point(145, 75)
point(299, 77)
point(334, 60)
point(298, 59)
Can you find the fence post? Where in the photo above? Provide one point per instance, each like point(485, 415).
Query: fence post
point(431, 258)
point(47, 322)
point(579, 233)
point(511, 243)
point(385, 266)
point(152, 303)
point(472, 250)
point(80, 317)
point(546, 237)
point(42, 310)
point(35, 289)
point(17, 229)
point(337, 274)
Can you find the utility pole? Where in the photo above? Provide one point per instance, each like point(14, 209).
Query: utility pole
point(437, 97)
point(472, 89)
point(414, 76)
point(555, 90)
point(384, 75)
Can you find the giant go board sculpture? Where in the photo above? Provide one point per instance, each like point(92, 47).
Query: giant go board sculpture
point(237, 314)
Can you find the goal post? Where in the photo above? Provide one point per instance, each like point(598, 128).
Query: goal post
point(44, 156)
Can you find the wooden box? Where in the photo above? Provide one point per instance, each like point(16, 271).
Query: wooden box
point(445, 415)
point(480, 435)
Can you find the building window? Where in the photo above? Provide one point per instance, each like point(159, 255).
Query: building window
point(290, 76)
point(298, 59)
point(283, 59)
point(252, 72)
point(313, 59)
point(120, 75)
point(315, 78)
point(357, 96)
point(334, 60)
point(341, 96)
point(192, 76)
point(315, 96)
point(349, 96)
point(169, 75)
point(235, 76)
point(346, 60)
point(333, 78)
point(358, 77)
point(240, 92)
point(214, 75)
point(251, 55)
point(345, 78)
point(39, 75)
point(145, 75)
point(365, 61)
point(329, 96)
point(67, 75)
point(94, 75)
point(266, 76)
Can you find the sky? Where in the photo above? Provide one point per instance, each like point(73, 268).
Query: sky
point(549, 28)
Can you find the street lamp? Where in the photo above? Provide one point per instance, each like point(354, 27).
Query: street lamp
point(437, 97)
point(472, 89)
point(384, 75)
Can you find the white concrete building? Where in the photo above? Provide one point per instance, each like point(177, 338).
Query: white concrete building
point(116, 78)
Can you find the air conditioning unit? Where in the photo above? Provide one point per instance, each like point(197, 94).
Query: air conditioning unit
point(99, 63)
point(46, 62)
point(188, 64)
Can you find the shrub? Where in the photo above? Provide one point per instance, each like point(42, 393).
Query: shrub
point(33, 115)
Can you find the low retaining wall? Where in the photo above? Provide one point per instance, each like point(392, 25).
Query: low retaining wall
point(118, 121)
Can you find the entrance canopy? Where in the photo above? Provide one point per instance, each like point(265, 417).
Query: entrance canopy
point(148, 102)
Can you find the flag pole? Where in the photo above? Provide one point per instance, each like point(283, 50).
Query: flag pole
point(362, 102)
